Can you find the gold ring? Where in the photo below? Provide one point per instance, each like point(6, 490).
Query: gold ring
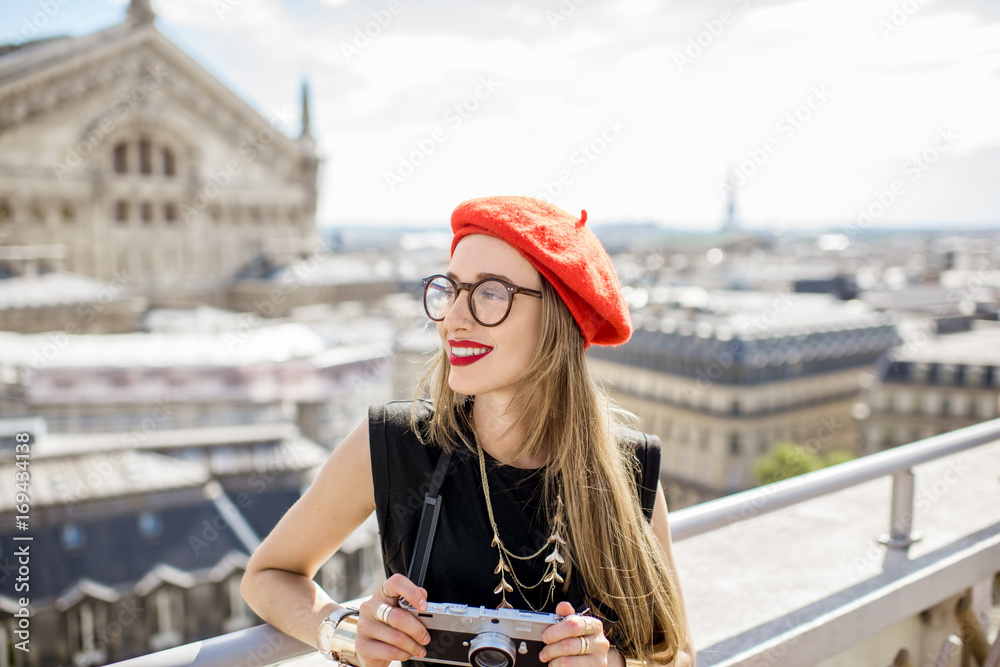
point(589, 625)
point(383, 591)
point(382, 613)
point(584, 645)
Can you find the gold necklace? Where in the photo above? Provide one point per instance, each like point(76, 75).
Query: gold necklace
point(553, 560)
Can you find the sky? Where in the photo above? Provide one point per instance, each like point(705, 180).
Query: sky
point(810, 113)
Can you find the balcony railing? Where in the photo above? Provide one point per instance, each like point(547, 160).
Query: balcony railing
point(263, 645)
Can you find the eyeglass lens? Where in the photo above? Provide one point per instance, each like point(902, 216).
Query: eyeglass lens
point(489, 300)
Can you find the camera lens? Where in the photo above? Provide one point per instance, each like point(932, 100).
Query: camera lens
point(491, 658)
point(492, 649)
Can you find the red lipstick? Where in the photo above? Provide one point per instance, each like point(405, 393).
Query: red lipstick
point(466, 360)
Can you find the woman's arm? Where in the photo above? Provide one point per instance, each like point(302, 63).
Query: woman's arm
point(661, 529)
point(278, 583)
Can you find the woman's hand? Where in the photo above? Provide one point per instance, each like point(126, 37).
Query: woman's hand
point(575, 641)
point(386, 632)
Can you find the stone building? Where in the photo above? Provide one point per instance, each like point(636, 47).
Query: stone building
point(139, 541)
point(932, 385)
point(242, 377)
point(128, 152)
point(722, 376)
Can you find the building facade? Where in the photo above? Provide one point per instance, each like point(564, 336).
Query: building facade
point(932, 385)
point(722, 383)
point(145, 167)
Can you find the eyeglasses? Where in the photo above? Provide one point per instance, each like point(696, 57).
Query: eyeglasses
point(489, 299)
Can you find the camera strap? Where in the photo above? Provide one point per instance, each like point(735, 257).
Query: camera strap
point(428, 523)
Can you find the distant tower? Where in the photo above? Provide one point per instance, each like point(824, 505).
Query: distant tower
point(141, 11)
point(310, 161)
point(732, 223)
point(306, 130)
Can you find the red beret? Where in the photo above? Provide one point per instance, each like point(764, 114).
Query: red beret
point(563, 250)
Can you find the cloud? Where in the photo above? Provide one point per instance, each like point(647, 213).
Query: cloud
point(561, 82)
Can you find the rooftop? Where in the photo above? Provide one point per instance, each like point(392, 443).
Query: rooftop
point(239, 346)
point(979, 347)
point(57, 288)
point(66, 479)
point(750, 315)
point(794, 573)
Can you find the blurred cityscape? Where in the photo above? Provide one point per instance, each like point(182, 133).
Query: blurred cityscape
point(185, 345)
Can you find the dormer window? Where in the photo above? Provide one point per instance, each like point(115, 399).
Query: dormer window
point(150, 525)
point(73, 538)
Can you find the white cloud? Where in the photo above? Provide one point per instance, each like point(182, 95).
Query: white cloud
point(890, 93)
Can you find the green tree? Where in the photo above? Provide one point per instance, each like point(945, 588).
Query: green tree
point(789, 460)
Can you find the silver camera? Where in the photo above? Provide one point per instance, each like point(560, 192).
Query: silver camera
point(462, 635)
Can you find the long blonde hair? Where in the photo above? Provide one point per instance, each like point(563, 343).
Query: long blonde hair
point(609, 541)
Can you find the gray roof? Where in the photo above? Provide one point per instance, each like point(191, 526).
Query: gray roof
point(753, 337)
point(979, 347)
point(91, 476)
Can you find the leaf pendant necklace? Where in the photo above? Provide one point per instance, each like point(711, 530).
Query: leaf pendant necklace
point(556, 539)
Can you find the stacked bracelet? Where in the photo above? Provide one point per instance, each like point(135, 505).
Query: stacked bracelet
point(338, 634)
point(345, 636)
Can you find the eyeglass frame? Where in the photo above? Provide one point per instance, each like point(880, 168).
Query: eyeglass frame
point(512, 289)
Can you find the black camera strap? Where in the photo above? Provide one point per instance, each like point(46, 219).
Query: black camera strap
point(428, 523)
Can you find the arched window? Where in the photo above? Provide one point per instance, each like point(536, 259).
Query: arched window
point(169, 166)
point(145, 157)
point(121, 211)
point(121, 158)
point(170, 212)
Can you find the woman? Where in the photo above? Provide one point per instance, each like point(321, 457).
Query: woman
point(548, 503)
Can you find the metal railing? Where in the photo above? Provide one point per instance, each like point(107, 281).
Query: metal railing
point(898, 462)
point(264, 645)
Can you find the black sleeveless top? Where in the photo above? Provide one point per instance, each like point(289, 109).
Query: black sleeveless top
point(462, 560)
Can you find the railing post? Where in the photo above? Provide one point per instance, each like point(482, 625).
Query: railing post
point(901, 534)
